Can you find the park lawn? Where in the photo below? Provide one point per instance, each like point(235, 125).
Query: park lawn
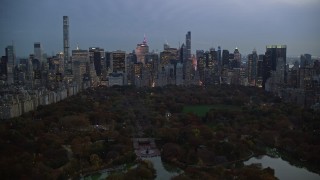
point(201, 110)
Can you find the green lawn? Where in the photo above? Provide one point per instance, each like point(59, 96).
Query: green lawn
point(201, 110)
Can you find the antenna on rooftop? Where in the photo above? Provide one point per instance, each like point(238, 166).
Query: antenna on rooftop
point(144, 39)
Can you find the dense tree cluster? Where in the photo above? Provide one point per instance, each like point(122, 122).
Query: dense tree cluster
point(93, 130)
point(64, 140)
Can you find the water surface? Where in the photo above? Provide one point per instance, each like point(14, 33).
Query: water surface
point(283, 169)
point(164, 171)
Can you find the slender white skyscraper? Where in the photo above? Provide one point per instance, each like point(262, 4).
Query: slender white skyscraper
point(67, 60)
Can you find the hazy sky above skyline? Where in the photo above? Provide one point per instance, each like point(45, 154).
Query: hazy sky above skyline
point(121, 24)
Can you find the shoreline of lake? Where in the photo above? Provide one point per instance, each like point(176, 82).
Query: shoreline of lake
point(283, 168)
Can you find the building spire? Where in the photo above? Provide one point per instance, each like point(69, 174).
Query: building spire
point(144, 39)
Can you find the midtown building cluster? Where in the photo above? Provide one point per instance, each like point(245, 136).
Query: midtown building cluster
point(39, 79)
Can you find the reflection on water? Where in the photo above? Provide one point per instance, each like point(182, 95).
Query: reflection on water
point(284, 170)
point(97, 176)
point(164, 171)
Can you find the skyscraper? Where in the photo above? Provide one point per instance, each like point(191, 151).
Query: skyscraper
point(276, 52)
point(187, 60)
point(219, 60)
point(252, 67)
point(11, 58)
point(107, 57)
point(80, 59)
point(97, 57)
point(67, 61)
point(275, 60)
point(37, 51)
point(188, 45)
point(213, 58)
point(225, 58)
point(305, 60)
point(142, 50)
point(152, 61)
point(260, 70)
point(179, 74)
point(232, 63)
point(3, 68)
point(237, 58)
point(168, 56)
point(118, 61)
point(182, 53)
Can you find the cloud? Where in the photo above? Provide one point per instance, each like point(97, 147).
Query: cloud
point(296, 2)
point(120, 24)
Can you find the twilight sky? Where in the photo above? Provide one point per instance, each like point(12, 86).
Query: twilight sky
point(121, 24)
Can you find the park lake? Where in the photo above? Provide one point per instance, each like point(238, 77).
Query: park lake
point(164, 170)
point(283, 169)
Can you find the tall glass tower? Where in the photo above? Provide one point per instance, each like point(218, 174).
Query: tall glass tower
point(188, 45)
point(37, 51)
point(67, 62)
point(275, 60)
point(11, 58)
point(187, 60)
point(252, 67)
point(276, 52)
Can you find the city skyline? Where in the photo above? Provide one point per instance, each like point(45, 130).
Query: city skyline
point(121, 25)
